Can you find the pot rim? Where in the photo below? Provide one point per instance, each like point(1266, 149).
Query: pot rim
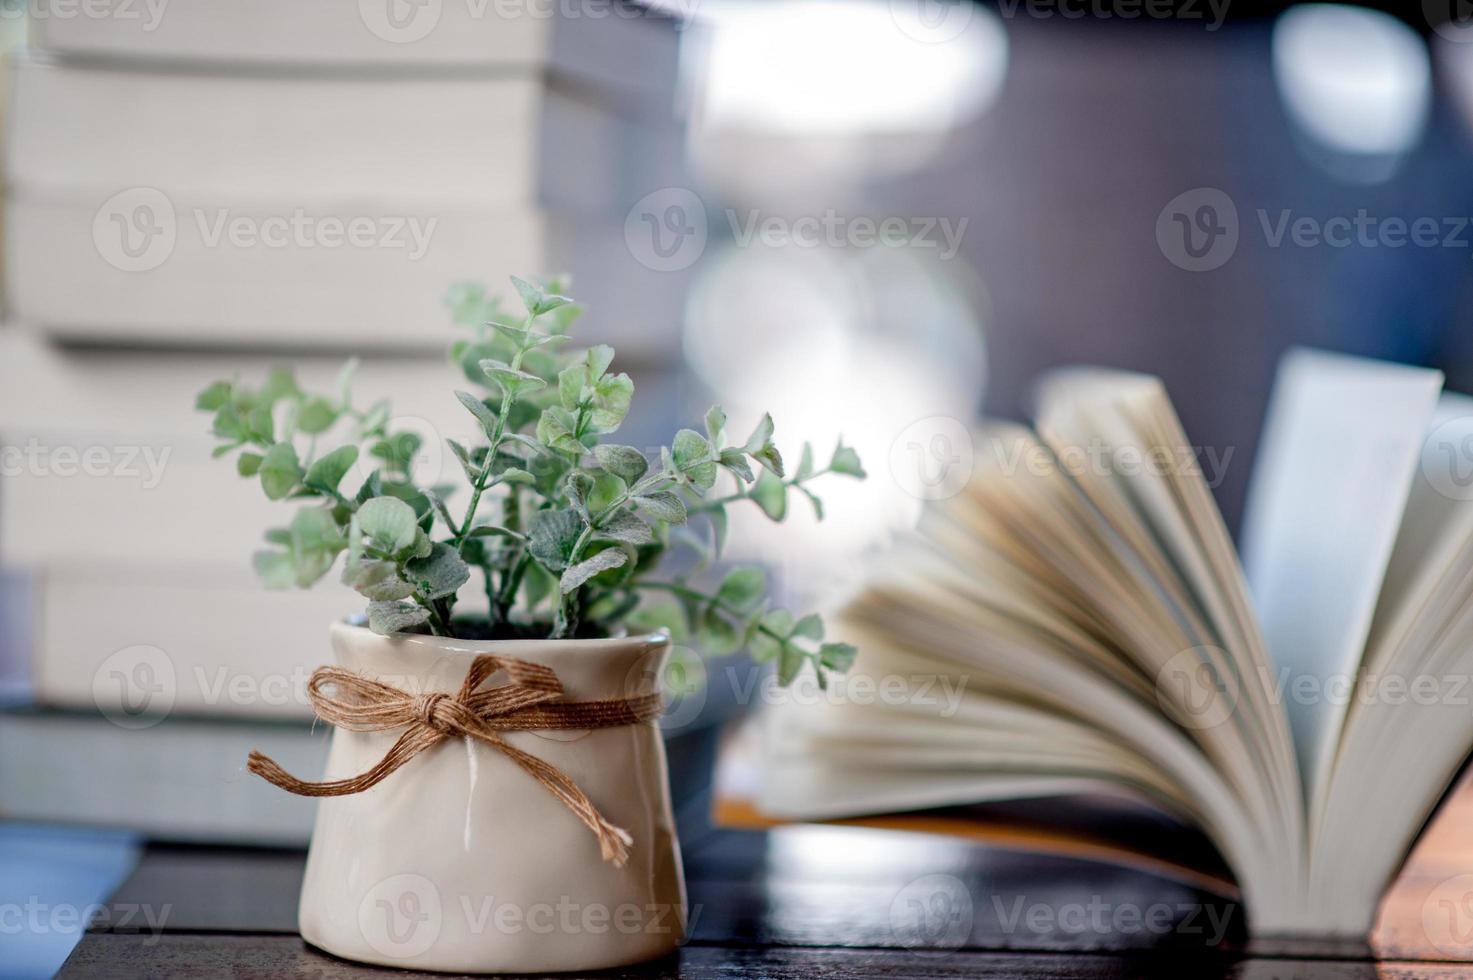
point(450, 644)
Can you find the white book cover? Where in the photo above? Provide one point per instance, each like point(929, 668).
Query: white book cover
point(81, 133)
point(622, 47)
point(142, 268)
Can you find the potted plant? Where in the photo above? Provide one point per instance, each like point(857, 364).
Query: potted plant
point(496, 797)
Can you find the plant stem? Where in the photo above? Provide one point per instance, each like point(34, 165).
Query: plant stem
point(686, 592)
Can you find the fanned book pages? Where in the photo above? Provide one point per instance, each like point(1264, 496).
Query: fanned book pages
point(1081, 606)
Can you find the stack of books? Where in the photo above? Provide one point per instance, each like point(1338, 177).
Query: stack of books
point(208, 191)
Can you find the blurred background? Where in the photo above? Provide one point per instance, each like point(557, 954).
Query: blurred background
point(876, 217)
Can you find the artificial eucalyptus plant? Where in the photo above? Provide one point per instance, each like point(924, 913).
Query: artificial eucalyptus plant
point(566, 533)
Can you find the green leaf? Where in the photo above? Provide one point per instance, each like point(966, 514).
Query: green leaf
point(440, 574)
point(511, 380)
point(662, 505)
point(463, 456)
point(771, 494)
point(846, 461)
point(580, 573)
point(837, 656)
point(660, 614)
point(554, 432)
point(275, 568)
point(625, 462)
point(770, 458)
point(611, 397)
point(515, 474)
point(716, 634)
point(597, 359)
point(395, 617)
point(390, 523)
point(789, 663)
point(810, 627)
point(377, 580)
point(761, 436)
point(805, 463)
point(214, 397)
point(248, 464)
point(694, 457)
point(531, 294)
point(628, 528)
point(279, 470)
point(715, 424)
point(480, 410)
point(743, 588)
point(570, 383)
point(552, 535)
point(736, 461)
point(344, 383)
point(326, 473)
point(317, 415)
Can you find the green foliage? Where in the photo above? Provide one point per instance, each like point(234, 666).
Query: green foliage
point(564, 528)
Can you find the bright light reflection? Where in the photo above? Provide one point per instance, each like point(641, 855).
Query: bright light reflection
point(849, 66)
point(1357, 81)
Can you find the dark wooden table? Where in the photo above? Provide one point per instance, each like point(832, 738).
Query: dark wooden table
point(817, 902)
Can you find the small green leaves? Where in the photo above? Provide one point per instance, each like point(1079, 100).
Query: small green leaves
point(439, 574)
point(511, 380)
point(389, 523)
point(213, 397)
point(480, 410)
point(846, 461)
point(552, 536)
point(715, 424)
point(837, 656)
point(612, 395)
point(576, 575)
point(326, 473)
point(694, 459)
point(628, 528)
point(759, 446)
point(663, 506)
point(555, 430)
point(625, 462)
point(771, 494)
point(743, 588)
point(279, 470)
point(317, 415)
point(378, 580)
point(395, 617)
point(248, 464)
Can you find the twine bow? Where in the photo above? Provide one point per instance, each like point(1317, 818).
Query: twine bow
point(531, 700)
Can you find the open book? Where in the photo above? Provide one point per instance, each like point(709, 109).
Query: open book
point(1081, 599)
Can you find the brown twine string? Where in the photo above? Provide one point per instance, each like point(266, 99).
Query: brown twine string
point(530, 701)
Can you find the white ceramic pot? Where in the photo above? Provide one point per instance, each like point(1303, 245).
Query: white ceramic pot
point(461, 861)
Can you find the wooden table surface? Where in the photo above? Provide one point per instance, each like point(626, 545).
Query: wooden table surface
point(817, 902)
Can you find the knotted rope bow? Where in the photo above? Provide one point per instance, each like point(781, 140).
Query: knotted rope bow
point(532, 700)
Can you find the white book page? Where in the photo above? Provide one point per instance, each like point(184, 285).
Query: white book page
point(1340, 445)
